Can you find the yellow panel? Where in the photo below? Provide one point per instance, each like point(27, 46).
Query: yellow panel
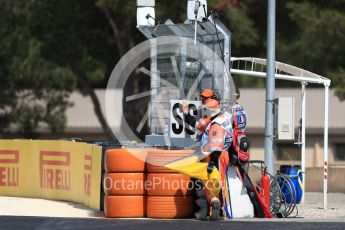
point(59, 170)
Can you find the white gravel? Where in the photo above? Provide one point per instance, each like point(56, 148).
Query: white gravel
point(311, 210)
point(313, 207)
point(16, 206)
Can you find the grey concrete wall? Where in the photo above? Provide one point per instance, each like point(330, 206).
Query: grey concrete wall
point(314, 150)
point(314, 176)
point(336, 179)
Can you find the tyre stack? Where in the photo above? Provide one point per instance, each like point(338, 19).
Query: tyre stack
point(105, 146)
point(170, 193)
point(125, 194)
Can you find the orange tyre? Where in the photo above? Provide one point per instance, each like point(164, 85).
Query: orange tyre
point(157, 158)
point(168, 184)
point(124, 184)
point(125, 160)
point(170, 207)
point(124, 206)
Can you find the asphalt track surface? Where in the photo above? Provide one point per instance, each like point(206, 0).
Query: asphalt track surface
point(38, 223)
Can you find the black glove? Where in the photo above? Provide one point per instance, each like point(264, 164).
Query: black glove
point(213, 161)
point(210, 167)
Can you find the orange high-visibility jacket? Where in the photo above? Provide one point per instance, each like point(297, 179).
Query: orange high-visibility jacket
point(218, 135)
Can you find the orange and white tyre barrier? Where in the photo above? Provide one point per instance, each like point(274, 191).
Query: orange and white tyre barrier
point(157, 158)
point(170, 207)
point(124, 184)
point(125, 160)
point(125, 206)
point(168, 184)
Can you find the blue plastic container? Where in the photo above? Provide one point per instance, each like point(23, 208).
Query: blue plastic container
point(294, 173)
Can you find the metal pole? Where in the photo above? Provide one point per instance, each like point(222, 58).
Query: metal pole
point(154, 87)
point(280, 76)
point(303, 139)
point(270, 87)
point(195, 28)
point(226, 54)
point(325, 149)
